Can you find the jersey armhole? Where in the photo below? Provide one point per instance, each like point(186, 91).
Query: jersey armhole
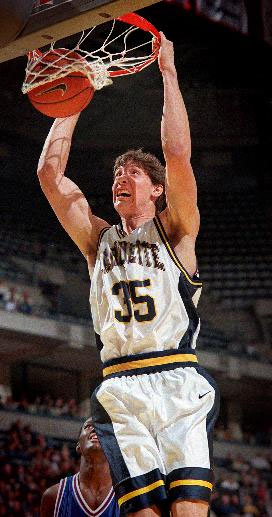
point(100, 237)
point(59, 496)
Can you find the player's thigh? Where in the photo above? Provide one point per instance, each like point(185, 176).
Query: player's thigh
point(189, 509)
point(113, 406)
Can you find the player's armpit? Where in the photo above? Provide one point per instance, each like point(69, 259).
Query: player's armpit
point(48, 501)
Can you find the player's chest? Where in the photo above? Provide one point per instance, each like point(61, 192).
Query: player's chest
point(131, 255)
point(94, 500)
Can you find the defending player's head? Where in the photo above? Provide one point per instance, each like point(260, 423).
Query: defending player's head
point(87, 440)
point(139, 180)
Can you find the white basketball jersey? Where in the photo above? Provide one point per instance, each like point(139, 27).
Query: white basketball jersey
point(142, 299)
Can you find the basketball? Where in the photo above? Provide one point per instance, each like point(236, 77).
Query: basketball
point(64, 96)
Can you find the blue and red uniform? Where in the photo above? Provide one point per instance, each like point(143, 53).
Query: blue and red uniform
point(70, 502)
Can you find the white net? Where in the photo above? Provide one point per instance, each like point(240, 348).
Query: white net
point(98, 65)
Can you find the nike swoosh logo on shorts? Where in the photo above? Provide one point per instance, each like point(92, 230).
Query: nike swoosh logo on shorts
point(61, 86)
point(200, 396)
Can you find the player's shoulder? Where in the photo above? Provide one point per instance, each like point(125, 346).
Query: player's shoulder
point(175, 229)
point(49, 500)
point(51, 491)
point(98, 226)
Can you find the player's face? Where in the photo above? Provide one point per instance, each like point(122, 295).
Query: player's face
point(88, 440)
point(132, 189)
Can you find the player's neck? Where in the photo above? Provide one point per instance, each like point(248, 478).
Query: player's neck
point(94, 471)
point(130, 223)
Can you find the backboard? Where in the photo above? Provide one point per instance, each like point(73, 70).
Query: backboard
point(56, 19)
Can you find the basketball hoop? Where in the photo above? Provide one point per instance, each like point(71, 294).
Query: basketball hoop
point(102, 64)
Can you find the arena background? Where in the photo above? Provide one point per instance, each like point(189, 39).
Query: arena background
point(48, 360)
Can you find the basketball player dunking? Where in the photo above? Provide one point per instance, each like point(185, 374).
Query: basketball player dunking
point(156, 407)
point(90, 491)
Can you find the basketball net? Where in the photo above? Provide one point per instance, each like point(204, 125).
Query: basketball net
point(102, 64)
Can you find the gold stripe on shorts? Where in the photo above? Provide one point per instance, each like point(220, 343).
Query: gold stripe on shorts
point(140, 491)
point(191, 482)
point(145, 363)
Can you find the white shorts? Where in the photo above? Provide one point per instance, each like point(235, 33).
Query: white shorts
point(155, 422)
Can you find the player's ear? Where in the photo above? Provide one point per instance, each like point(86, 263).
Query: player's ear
point(78, 450)
point(157, 190)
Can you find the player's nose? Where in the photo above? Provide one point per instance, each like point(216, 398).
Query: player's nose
point(123, 179)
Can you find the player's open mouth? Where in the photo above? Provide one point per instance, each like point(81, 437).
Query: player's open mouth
point(122, 194)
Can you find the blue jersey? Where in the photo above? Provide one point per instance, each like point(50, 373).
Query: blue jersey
point(70, 502)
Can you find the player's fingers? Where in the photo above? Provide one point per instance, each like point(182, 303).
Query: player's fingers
point(164, 38)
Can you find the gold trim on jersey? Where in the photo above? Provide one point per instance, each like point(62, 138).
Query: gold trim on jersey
point(145, 363)
point(191, 482)
point(172, 253)
point(140, 491)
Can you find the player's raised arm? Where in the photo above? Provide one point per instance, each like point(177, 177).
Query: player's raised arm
point(66, 199)
point(181, 191)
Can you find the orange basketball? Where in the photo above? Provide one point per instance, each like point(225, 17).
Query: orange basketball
point(61, 97)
